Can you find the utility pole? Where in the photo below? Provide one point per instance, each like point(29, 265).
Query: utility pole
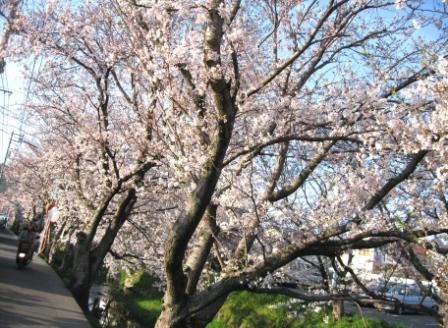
point(6, 157)
point(4, 40)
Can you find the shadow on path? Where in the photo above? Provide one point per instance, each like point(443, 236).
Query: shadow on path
point(35, 296)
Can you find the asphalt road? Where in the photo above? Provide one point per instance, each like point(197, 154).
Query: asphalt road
point(406, 320)
point(35, 296)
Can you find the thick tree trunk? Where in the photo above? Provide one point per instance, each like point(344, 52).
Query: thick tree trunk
point(445, 315)
point(170, 317)
point(177, 302)
point(87, 262)
point(80, 289)
point(80, 282)
point(443, 308)
point(81, 273)
point(176, 317)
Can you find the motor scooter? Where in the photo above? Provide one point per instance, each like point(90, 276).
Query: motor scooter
point(25, 253)
point(3, 222)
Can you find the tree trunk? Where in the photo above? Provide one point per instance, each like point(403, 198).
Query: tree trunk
point(338, 310)
point(445, 315)
point(122, 213)
point(170, 318)
point(177, 304)
point(80, 281)
point(87, 262)
point(443, 308)
point(200, 251)
point(67, 262)
point(55, 243)
point(176, 316)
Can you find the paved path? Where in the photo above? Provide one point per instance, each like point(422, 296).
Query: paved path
point(35, 296)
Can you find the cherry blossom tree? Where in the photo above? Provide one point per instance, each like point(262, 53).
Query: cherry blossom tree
point(8, 11)
point(268, 130)
point(433, 203)
point(303, 144)
point(85, 99)
point(28, 187)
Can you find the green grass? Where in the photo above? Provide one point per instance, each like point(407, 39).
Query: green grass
point(142, 304)
point(140, 301)
point(151, 305)
point(145, 310)
point(321, 320)
point(140, 282)
point(247, 310)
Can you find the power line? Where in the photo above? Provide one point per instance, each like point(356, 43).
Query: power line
point(6, 91)
point(23, 116)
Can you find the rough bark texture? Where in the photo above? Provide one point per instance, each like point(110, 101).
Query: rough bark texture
point(184, 306)
point(176, 299)
point(207, 231)
point(97, 255)
point(338, 309)
point(87, 261)
point(80, 279)
point(182, 310)
point(203, 317)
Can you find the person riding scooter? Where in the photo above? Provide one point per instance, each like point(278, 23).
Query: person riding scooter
point(3, 221)
point(27, 245)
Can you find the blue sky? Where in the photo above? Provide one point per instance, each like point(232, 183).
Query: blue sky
point(10, 104)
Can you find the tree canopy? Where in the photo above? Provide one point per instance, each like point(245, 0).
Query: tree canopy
point(235, 137)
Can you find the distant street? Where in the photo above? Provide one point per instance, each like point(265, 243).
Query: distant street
point(35, 296)
point(407, 320)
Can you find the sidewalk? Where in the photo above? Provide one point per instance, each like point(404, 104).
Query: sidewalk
point(34, 296)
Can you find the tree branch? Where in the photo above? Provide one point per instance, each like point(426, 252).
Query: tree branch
point(393, 182)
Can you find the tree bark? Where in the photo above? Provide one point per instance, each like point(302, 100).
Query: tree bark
point(87, 262)
point(201, 250)
point(176, 298)
point(80, 281)
point(338, 309)
point(67, 263)
point(125, 207)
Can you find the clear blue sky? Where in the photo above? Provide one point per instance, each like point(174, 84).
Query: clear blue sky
point(12, 80)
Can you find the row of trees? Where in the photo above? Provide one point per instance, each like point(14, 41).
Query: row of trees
point(219, 141)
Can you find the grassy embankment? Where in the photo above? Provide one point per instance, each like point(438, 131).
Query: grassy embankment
point(245, 310)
